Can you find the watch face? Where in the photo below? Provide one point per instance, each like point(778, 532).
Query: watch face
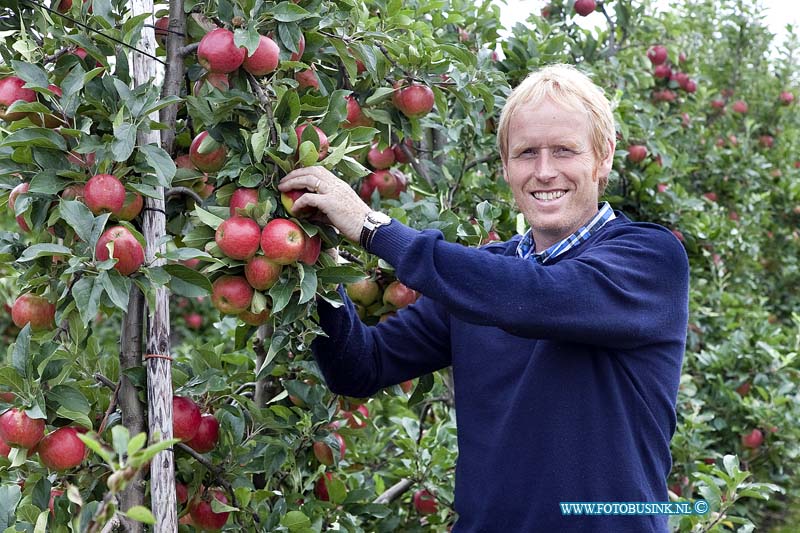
point(379, 218)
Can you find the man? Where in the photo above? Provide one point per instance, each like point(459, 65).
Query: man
point(566, 344)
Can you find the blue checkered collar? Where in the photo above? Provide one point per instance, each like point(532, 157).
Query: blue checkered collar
point(526, 247)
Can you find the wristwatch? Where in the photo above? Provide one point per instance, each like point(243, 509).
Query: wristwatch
point(373, 221)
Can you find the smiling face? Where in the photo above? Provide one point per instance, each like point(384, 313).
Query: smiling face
point(552, 169)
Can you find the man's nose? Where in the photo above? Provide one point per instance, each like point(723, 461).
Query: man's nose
point(545, 165)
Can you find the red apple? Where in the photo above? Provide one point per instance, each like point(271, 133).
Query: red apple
point(399, 154)
point(218, 80)
point(185, 418)
point(127, 250)
point(12, 89)
point(238, 237)
point(414, 100)
point(218, 53)
point(17, 429)
point(711, 196)
point(161, 26)
point(104, 193)
point(662, 71)
point(75, 191)
point(718, 104)
point(132, 207)
point(181, 492)
point(262, 273)
point(231, 294)
point(203, 517)
point(307, 79)
point(311, 250)
point(63, 5)
point(398, 295)
point(301, 48)
point(54, 493)
point(357, 419)
point(355, 116)
point(321, 489)
point(766, 141)
point(637, 153)
point(743, 389)
point(380, 159)
point(288, 199)
point(62, 449)
point(364, 292)
point(585, 7)
point(33, 309)
point(407, 385)
point(691, 86)
point(255, 319)
point(206, 154)
point(82, 160)
point(657, 54)
point(739, 106)
point(207, 435)
point(194, 320)
point(265, 59)
point(424, 501)
point(241, 198)
point(786, 97)
point(282, 241)
point(324, 453)
point(22, 188)
point(385, 182)
point(5, 449)
point(323, 139)
point(753, 439)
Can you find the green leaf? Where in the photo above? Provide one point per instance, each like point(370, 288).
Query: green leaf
point(117, 286)
point(33, 74)
point(87, 298)
point(188, 282)
point(289, 12)
point(143, 456)
point(280, 293)
point(119, 439)
point(137, 443)
point(91, 442)
point(29, 137)
point(295, 520)
point(20, 357)
point(47, 183)
point(161, 162)
point(308, 283)
point(207, 218)
point(141, 514)
point(79, 218)
point(72, 404)
point(10, 495)
point(124, 141)
point(339, 274)
point(43, 250)
point(308, 154)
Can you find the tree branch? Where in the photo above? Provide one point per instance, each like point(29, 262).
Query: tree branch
point(394, 492)
point(186, 191)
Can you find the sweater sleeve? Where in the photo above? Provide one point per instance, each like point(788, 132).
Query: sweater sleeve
point(358, 360)
point(625, 289)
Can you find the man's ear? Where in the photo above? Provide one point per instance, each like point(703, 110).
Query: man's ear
point(604, 167)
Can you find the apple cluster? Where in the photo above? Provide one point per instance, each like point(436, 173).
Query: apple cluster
point(377, 297)
point(664, 71)
point(199, 431)
point(59, 450)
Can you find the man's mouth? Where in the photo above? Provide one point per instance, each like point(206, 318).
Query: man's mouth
point(547, 196)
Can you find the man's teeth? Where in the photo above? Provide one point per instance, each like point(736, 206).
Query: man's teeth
point(547, 196)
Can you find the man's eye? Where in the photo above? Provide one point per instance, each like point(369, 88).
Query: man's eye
point(562, 151)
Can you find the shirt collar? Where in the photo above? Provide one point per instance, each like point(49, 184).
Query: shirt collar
point(526, 247)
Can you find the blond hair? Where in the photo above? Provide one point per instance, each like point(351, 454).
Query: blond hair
point(567, 86)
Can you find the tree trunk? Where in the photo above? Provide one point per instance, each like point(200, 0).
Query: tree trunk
point(129, 405)
point(159, 370)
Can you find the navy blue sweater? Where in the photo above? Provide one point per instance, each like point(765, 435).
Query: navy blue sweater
point(566, 374)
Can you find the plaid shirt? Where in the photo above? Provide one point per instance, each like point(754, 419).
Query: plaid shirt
point(526, 247)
